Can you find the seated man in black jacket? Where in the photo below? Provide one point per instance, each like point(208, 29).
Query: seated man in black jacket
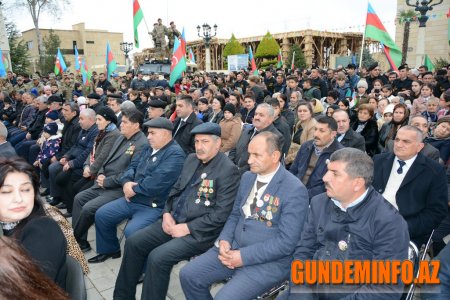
point(196, 210)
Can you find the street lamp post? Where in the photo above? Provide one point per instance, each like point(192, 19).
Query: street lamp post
point(422, 7)
point(207, 36)
point(126, 48)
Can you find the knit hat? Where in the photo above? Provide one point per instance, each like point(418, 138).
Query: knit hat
point(108, 114)
point(81, 100)
point(363, 83)
point(51, 128)
point(230, 108)
point(389, 109)
point(52, 114)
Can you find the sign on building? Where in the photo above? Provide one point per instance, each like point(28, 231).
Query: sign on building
point(237, 62)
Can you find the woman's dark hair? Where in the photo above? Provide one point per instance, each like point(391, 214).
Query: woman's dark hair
point(19, 165)
point(21, 278)
point(221, 99)
point(308, 106)
point(345, 102)
point(225, 93)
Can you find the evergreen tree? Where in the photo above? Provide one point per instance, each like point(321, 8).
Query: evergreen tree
point(20, 61)
point(233, 47)
point(51, 44)
point(367, 59)
point(267, 49)
point(299, 59)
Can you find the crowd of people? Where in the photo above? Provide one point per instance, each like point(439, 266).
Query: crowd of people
point(237, 173)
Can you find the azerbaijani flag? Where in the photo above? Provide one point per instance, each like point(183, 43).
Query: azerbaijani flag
point(183, 42)
point(85, 73)
point(178, 65)
point(2, 66)
point(60, 65)
point(252, 61)
point(5, 61)
point(293, 60)
point(375, 30)
point(191, 56)
point(77, 60)
point(429, 63)
point(279, 60)
point(137, 18)
point(110, 62)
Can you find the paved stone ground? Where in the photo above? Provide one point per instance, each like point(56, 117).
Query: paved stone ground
point(102, 277)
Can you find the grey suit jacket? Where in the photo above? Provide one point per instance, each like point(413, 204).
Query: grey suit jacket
point(7, 151)
point(120, 157)
point(102, 151)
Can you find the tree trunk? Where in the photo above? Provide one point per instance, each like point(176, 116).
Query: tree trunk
point(405, 42)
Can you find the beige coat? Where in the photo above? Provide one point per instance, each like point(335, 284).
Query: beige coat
point(231, 131)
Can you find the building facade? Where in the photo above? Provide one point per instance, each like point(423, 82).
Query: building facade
point(91, 44)
point(436, 32)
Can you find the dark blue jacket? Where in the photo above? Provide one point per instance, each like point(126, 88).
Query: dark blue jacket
point(155, 174)
point(372, 229)
point(80, 150)
point(315, 183)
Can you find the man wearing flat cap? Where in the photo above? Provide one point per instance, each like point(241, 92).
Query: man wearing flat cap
point(94, 102)
point(198, 206)
point(107, 186)
point(374, 74)
point(156, 109)
point(146, 186)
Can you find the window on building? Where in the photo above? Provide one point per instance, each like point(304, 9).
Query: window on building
point(30, 45)
point(89, 42)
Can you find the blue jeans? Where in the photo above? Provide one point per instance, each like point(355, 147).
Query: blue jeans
point(111, 214)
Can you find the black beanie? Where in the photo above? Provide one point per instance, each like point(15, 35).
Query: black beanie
point(230, 107)
point(108, 114)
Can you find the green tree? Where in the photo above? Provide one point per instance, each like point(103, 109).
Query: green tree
point(233, 47)
point(440, 63)
point(367, 59)
point(299, 58)
point(406, 16)
point(20, 60)
point(36, 8)
point(51, 44)
point(267, 49)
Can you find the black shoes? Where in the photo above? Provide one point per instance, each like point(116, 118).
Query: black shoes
point(61, 205)
point(55, 201)
point(46, 192)
point(85, 246)
point(67, 215)
point(102, 257)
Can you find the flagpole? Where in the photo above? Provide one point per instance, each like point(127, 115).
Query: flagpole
point(363, 38)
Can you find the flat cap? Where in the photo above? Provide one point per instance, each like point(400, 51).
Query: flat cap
point(93, 96)
point(402, 67)
point(54, 98)
point(207, 128)
point(373, 66)
point(157, 103)
point(162, 123)
point(108, 114)
point(114, 96)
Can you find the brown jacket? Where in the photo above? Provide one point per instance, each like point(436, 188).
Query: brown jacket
point(231, 131)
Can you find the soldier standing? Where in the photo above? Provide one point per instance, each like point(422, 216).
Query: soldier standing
point(173, 32)
point(159, 34)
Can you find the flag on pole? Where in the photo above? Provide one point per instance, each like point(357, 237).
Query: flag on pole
point(77, 60)
point(292, 64)
point(191, 56)
point(2, 65)
point(5, 60)
point(375, 30)
point(279, 59)
point(429, 63)
point(252, 61)
point(183, 42)
point(85, 73)
point(137, 18)
point(178, 65)
point(60, 65)
point(110, 62)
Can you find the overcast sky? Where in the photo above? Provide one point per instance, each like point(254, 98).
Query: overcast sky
point(243, 18)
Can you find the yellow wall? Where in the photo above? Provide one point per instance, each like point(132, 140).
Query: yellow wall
point(94, 53)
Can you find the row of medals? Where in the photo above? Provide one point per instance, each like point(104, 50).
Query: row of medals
point(271, 208)
point(206, 191)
